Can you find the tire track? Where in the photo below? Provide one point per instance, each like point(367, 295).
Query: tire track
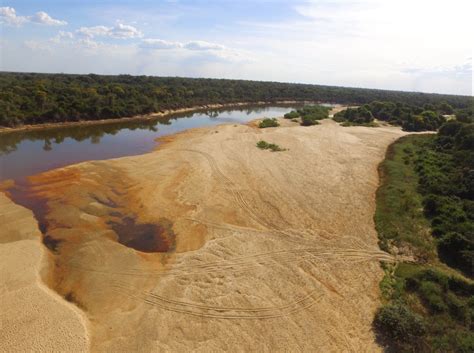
point(231, 188)
point(219, 312)
point(246, 263)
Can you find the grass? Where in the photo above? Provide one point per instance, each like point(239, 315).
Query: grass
point(264, 145)
point(428, 307)
point(399, 217)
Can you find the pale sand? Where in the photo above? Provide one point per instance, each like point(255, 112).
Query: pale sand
point(33, 317)
point(274, 251)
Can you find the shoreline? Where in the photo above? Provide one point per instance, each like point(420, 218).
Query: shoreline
point(147, 117)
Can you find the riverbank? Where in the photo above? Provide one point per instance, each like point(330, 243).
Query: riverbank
point(426, 303)
point(149, 117)
point(262, 250)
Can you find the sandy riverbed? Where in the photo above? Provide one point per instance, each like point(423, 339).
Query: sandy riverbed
point(265, 251)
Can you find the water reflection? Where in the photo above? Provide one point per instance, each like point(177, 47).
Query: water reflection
point(9, 141)
point(26, 153)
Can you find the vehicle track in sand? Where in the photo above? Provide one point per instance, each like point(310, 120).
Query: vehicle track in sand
point(246, 263)
point(219, 312)
point(232, 189)
point(309, 253)
point(289, 235)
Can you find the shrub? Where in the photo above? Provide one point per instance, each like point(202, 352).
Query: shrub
point(292, 115)
point(308, 121)
point(457, 250)
point(264, 145)
point(451, 128)
point(432, 295)
point(399, 323)
point(267, 122)
point(355, 116)
point(309, 114)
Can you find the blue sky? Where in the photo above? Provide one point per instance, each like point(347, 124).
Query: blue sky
point(406, 44)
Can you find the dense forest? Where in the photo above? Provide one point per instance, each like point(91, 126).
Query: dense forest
point(428, 117)
point(425, 210)
point(31, 98)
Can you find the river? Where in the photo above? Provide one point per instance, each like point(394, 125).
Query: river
point(25, 153)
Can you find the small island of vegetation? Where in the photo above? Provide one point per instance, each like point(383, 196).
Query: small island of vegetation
point(268, 122)
point(309, 114)
point(264, 145)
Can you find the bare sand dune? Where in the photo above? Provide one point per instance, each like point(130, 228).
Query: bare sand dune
point(33, 317)
point(241, 249)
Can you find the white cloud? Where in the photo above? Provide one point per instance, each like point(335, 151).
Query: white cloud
point(93, 31)
point(201, 45)
point(88, 43)
point(198, 45)
point(42, 17)
point(125, 31)
point(62, 36)
point(8, 16)
point(366, 43)
point(159, 44)
point(404, 44)
point(456, 70)
point(199, 50)
point(119, 31)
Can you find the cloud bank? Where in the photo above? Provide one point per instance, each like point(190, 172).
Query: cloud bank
point(9, 17)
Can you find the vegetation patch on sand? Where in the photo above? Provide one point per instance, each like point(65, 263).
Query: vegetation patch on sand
point(309, 114)
point(264, 145)
point(268, 122)
point(355, 116)
point(424, 211)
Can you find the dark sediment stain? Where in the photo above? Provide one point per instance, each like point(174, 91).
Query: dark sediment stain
point(22, 195)
point(145, 237)
point(51, 243)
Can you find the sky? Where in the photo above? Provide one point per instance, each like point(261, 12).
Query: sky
point(410, 45)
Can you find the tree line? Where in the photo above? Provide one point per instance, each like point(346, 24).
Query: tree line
point(32, 98)
point(428, 117)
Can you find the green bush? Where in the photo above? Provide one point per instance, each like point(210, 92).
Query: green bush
point(399, 323)
point(264, 145)
point(457, 250)
point(310, 114)
point(432, 295)
point(292, 115)
point(355, 116)
point(308, 121)
point(268, 122)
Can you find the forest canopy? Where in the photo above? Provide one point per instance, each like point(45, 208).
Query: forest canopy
point(410, 117)
point(31, 98)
